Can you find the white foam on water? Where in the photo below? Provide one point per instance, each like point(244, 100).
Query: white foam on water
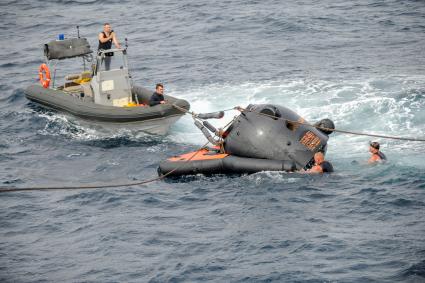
point(275, 177)
point(385, 106)
point(63, 125)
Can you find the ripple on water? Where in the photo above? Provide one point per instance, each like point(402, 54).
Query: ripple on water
point(361, 224)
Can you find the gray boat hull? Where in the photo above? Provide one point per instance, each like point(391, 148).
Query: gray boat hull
point(154, 120)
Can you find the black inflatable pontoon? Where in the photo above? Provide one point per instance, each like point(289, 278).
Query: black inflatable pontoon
point(155, 120)
point(262, 138)
point(105, 94)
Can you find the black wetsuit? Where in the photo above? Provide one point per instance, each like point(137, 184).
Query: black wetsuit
point(381, 155)
point(327, 167)
point(156, 98)
point(105, 45)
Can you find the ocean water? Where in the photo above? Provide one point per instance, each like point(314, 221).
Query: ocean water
point(360, 63)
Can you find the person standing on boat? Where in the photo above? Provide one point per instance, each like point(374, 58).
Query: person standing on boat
point(106, 37)
point(377, 155)
point(158, 96)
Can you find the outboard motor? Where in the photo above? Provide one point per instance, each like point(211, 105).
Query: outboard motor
point(275, 132)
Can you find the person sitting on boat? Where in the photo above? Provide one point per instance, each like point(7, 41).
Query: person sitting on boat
point(106, 37)
point(377, 155)
point(158, 96)
point(320, 164)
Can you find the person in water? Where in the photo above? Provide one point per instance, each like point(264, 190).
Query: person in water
point(158, 96)
point(320, 164)
point(106, 38)
point(377, 155)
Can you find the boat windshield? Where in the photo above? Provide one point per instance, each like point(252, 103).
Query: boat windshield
point(112, 61)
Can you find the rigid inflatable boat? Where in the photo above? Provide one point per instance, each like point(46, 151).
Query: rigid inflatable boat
point(103, 95)
point(262, 138)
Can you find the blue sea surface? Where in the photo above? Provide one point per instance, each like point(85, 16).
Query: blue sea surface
point(359, 63)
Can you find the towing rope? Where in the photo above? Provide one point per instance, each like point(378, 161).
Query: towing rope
point(5, 189)
point(241, 109)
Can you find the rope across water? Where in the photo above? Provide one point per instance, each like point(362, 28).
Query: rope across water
point(241, 109)
point(335, 130)
point(5, 189)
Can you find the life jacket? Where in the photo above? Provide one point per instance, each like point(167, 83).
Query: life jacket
point(381, 155)
point(104, 45)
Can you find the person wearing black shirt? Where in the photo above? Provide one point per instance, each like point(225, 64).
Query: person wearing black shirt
point(106, 37)
point(158, 96)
